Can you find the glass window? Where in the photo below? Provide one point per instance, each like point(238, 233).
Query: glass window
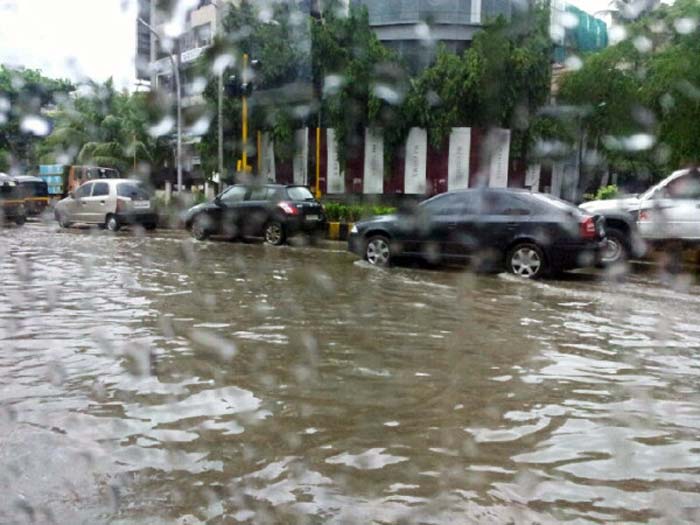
point(684, 187)
point(500, 203)
point(300, 193)
point(100, 189)
point(450, 204)
point(234, 194)
point(132, 190)
point(83, 191)
point(259, 194)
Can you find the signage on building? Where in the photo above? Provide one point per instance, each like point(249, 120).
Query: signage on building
point(459, 158)
point(374, 161)
point(336, 177)
point(300, 162)
point(416, 161)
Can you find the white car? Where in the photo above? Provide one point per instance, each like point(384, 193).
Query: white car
point(110, 203)
point(670, 210)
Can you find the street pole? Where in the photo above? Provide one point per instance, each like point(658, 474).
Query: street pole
point(175, 62)
point(219, 28)
point(244, 116)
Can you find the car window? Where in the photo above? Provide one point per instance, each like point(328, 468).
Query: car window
point(684, 187)
point(501, 203)
point(132, 191)
point(234, 194)
point(83, 191)
point(259, 194)
point(300, 193)
point(100, 189)
point(450, 204)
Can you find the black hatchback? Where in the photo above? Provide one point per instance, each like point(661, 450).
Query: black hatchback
point(526, 233)
point(272, 211)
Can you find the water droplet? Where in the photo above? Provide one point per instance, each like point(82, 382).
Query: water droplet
point(617, 34)
point(221, 346)
point(422, 31)
point(686, 25)
point(643, 44)
point(574, 63)
point(35, 125)
point(163, 127)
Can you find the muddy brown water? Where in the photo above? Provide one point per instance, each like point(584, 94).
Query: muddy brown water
point(150, 379)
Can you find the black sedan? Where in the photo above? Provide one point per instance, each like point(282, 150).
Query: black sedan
point(272, 211)
point(528, 234)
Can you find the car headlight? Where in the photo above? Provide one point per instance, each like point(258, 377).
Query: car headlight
point(353, 229)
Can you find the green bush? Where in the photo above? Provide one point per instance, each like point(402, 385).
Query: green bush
point(337, 212)
point(606, 192)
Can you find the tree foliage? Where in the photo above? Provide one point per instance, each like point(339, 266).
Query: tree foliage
point(640, 99)
point(24, 93)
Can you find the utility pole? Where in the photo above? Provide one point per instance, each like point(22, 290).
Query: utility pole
point(245, 168)
point(220, 93)
point(175, 62)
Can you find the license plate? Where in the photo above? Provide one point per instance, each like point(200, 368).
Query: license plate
point(142, 205)
point(312, 217)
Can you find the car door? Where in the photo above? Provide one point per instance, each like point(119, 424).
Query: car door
point(78, 205)
point(502, 217)
point(95, 204)
point(230, 208)
point(255, 210)
point(674, 210)
point(439, 227)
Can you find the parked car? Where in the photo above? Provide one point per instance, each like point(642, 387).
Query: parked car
point(110, 203)
point(528, 234)
point(35, 192)
point(669, 211)
point(273, 211)
point(11, 201)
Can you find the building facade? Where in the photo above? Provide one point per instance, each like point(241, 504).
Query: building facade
point(414, 27)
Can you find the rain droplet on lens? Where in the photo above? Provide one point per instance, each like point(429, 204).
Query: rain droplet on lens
point(35, 125)
point(56, 373)
point(685, 25)
point(221, 346)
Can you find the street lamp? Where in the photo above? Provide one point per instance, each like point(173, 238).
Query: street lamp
point(178, 96)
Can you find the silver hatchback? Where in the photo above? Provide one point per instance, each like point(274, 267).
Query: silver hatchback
point(108, 202)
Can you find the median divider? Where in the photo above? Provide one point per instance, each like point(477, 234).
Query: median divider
point(339, 231)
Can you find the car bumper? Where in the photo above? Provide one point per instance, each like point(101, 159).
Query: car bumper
point(574, 255)
point(308, 227)
point(356, 244)
point(137, 218)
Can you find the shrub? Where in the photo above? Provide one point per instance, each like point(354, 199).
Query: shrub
point(337, 212)
point(606, 192)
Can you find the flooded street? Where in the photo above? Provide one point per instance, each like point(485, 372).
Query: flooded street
point(151, 379)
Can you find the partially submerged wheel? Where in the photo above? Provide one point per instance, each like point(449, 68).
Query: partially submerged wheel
point(199, 228)
point(526, 260)
point(274, 233)
point(616, 249)
point(378, 251)
point(112, 223)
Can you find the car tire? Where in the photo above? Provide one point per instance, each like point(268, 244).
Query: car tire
point(378, 251)
point(274, 233)
point(150, 226)
point(112, 223)
point(62, 221)
point(526, 259)
point(199, 228)
point(20, 220)
point(616, 250)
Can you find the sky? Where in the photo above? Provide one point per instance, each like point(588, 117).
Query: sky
point(88, 38)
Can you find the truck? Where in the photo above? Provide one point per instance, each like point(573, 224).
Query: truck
point(62, 179)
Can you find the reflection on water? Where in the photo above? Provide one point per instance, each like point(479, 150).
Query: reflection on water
point(157, 380)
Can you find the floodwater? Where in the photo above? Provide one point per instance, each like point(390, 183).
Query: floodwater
point(150, 379)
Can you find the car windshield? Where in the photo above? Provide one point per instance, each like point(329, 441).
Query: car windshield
point(133, 191)
point(300, 193)
point(350, 262)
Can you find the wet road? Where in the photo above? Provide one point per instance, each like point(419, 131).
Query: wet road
point(149, 379)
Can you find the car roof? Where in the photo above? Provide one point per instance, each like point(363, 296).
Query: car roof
point(114, 181)
point(28, 178)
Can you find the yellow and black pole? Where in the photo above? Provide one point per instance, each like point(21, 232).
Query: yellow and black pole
point(244, 103)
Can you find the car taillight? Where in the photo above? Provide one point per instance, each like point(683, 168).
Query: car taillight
point(588, 228)
point(644, 215)
point(121, 205)
point(289, 208)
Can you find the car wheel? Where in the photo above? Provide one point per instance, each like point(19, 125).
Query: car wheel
point(274, 233)
point(150, 226)
point(199, 228)
point(62, 221)
point(616, 250)
point(112, 223)
point(20, 220)
point(526, 260)
point(378, 251)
